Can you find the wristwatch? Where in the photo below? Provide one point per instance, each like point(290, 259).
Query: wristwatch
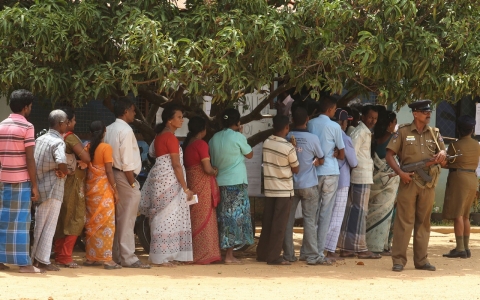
point(133, 185)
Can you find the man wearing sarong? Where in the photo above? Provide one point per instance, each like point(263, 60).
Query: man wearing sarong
point(413, 143)
point(51, 163)
point(352, 240)
point(18, 183)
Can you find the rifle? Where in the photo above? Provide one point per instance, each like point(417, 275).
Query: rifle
point(418, 167)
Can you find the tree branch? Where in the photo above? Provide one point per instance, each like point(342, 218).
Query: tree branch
point(255, 113)
point(153, 98)
point(259, 137)
point(152, 113)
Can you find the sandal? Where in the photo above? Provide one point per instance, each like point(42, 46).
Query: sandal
point(71, 265)
point(280, 263)
point(4, 267)
point(138, 265)
point(31, 269)
point(112, 267)
point(347, 253)
point(92, 263)
point(368, 255)
point(49, 267)
point(166, 265)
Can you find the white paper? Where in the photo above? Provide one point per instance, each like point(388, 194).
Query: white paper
point(298, 211)
point(193, 201)
point(254, 172)
point(477, 118)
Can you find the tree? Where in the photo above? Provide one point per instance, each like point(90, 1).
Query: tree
point(76, 51)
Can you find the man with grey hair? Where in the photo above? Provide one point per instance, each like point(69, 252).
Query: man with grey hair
point(51, 165)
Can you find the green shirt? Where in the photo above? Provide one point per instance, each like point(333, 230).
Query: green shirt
point(227, 150)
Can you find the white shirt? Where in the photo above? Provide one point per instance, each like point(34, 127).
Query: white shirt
point(362, 139)
point(126, 155)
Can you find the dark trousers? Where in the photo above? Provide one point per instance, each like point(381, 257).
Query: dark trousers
point(275, 218)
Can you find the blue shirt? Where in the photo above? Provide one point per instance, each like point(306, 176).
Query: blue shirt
point(227, 150)
point(307, 148)
point(330, 135)
point(349, 162)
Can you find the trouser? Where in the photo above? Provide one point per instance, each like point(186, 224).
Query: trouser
point(327, 189)
point(414, 206)
point(337, 219)
point(46, 217)
point(309, 201)
point(274, 224)
point(126, 211)
point(64, 249)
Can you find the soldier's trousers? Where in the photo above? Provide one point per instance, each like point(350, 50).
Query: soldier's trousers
point(414, 206)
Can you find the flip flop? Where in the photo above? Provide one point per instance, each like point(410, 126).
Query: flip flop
point(4, 267)
point(165, 265)
point(50, 267)
point(71, 265)
point(280, 263)
point(368, 255)
point(138, 265)
point(114, 267)
point(93, 264)
point(31, 269)
point(347, 254)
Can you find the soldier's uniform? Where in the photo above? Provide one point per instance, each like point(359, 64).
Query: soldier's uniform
point(415, 199)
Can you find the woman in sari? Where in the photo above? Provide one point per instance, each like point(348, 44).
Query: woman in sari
point(383, 191)
point(201, 181)
point(72, 213)
point(228, 149)
point(101, 195)
point(165, 194)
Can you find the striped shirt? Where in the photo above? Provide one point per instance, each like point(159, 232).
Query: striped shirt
point(16, 134)
point(279, 157)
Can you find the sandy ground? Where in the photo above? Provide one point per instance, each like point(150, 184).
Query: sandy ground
point(454, 279)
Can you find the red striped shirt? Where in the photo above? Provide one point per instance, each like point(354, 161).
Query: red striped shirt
point(16, 133)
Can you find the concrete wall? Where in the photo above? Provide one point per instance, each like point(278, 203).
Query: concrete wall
point(405, 116)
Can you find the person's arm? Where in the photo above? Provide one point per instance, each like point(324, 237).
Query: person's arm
point(32, 171)
point(318, 152)
point(207, 167)
point(178, 170)
point(81, 153)
point(126, 155)
point(405, 177)
point(203, 153)
point(339, 143)
point(341, 154)
point(244, 146)
point(60, 159)
point(293, 161)
point(111, 180)
point(350, 155)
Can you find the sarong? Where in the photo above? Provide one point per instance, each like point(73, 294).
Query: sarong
point(380, 207)
point(337, 219)
point(15, 221)
point(46, 217)
point(100, 224)
point(352, 235)
point(165, 203)
point(203, 216)
point(233, 214)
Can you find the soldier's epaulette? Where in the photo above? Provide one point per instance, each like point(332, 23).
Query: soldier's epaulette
point(403, 125)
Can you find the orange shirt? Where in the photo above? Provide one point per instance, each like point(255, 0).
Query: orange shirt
point(103, 154)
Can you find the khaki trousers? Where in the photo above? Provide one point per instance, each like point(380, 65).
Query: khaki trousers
point(126, 211)
point(414, 206)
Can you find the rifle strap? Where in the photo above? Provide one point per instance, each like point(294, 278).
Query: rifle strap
point(434, 138)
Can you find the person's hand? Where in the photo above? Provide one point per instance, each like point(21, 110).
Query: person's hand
point(215, 171)
point(440, 157)
point(189, 195)
point(82, 165)
point(321, 161)
point(240, 129)
point(335, 152)
point(406, 177)
point(35, 194)
point(59, 174)
point(115, 196)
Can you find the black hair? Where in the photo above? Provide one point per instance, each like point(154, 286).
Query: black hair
point(367, 108)
point(195, 126)
point(69, 111)
point(19, 99)
point(280, 122)
point(121, 105)
point(299, 116)
point(326, 103)
point(230, 117)
point(168, 113)
point(384, 119)
point(97, 128)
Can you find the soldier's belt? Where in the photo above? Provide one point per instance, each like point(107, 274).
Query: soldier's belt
point(461, 170)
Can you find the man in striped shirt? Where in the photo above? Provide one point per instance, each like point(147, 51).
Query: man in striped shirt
point(18, 183)
point(279, 164)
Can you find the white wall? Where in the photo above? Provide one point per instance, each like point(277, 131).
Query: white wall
point(405, 116)
point(4, 109)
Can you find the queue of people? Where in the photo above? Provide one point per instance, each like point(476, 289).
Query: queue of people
point(196, 194)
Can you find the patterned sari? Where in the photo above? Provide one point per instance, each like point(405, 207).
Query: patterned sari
point(380, 207)
point(100, 225)
point(203, 215)
point(165, 204)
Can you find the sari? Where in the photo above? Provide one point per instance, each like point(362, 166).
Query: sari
point(100, 224)
point(383, 192)
point(203, 215)
point(165, 204)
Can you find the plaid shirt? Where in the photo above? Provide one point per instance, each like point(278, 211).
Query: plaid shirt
point(49, 152)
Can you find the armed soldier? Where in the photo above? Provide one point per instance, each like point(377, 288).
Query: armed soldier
point(413, 143)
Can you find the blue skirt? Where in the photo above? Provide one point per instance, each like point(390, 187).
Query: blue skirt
point(15, 221)
point(233, 215)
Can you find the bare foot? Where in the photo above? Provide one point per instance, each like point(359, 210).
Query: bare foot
point(233, 261)
point(30, 269)
point(4, 267)
point(167, 265)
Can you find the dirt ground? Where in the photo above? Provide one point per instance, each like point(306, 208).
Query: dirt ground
point(454, 279)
